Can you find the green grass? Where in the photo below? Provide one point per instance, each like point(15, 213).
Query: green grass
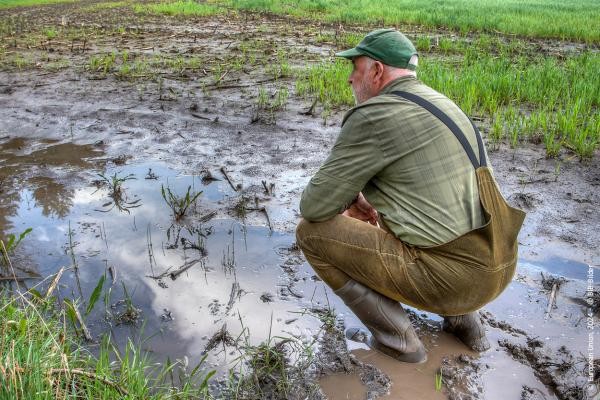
point(130, 66)
point(181, 7)
point(328, 82)
point(568, 20)
point(340, 40)
point(564, 19)
point(537, 99)
point(541, 99)
point(57, 64)
point(107, 5)
point(16, 61)
point(23, 3)
point(438, 381)
point(178, 64)
point(8, 247)
point(133, 70)
point(50, 33)
point(267, 104)
point(42, 359)
point(102, 63)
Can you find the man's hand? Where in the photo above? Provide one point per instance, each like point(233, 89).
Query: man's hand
point(361, 209)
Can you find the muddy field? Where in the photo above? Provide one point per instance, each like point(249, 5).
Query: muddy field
point(228, 274)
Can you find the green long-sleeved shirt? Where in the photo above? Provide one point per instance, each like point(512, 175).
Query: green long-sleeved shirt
point(408, 165)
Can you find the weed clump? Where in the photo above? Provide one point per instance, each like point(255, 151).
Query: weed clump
point(179, 204)
point(130, 313)
point(116, 192)
point(279, 368)
point(550, 281)
point(115, 184)
point(268, 104)
point(222, 336)
point(6, 249)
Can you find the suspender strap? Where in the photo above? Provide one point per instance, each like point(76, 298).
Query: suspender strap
point(482, 160)
point(446, 120)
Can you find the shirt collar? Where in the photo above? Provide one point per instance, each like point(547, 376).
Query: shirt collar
point(397, 84)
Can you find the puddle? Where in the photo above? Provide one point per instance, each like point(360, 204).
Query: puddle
point(211, 270)
point(502, 377)
point(563, 267)
point(412, 381)
point(505, 378)
point(343, 387)
point(44, 167)
point(236, 274)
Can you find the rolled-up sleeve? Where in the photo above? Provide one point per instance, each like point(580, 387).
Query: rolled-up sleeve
point(355, 158)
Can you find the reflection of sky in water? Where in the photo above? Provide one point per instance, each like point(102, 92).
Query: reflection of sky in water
point(563, 267)
point(198, 299)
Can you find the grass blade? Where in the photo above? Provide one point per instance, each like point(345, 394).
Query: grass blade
point(95, 295)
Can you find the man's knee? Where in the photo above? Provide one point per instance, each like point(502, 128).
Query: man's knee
point(302, 232)
point(307, 231)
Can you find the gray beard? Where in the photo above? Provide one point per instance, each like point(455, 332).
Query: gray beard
point(362, 94)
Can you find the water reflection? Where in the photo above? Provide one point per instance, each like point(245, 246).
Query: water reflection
point(188, 277)
point(53, 197)
point(48, 169)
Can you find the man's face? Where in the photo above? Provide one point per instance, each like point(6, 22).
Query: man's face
point(361, 79)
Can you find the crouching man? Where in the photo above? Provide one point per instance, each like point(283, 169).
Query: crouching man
point(405, 208)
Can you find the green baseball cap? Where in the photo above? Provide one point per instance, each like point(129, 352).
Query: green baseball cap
point(386, 45)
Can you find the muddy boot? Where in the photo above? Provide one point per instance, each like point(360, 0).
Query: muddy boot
point(469, 329)
point(392, 331)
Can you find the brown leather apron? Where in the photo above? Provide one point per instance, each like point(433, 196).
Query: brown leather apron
point(465, 273)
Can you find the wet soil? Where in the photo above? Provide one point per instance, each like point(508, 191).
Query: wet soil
point(228, 275)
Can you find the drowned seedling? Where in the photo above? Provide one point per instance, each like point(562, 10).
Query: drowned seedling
point(179, 204)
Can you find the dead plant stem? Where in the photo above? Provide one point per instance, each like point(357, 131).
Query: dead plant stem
point(54, 282)
point(551, 300)
point(224, 172)
point(57, 371)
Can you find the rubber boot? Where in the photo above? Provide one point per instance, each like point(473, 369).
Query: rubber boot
point(469, 329)
point(392, 331)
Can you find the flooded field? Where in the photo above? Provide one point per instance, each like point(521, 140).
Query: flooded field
point(95, 163)
point(189, 279)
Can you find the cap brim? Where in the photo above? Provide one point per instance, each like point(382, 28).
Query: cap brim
point(349, 53)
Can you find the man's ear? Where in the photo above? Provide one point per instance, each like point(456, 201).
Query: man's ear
point(379, 69)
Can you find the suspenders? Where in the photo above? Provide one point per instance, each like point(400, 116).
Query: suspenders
point(445, 119)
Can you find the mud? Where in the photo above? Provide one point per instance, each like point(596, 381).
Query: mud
point(229, 275)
